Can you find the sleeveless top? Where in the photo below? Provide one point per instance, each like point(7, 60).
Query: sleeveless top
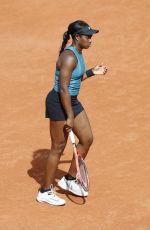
point(75, 81)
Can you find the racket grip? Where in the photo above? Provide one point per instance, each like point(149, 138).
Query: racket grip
point(72, 137)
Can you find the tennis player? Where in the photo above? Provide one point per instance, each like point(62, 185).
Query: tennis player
point(66, 112)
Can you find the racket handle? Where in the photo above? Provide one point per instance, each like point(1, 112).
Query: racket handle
point(72, 137)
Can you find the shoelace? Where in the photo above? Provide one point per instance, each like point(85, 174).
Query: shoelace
point(77, 181)
point(52, 190)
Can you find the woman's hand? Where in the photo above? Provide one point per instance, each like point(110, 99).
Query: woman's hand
point(69, 124)
point(99, 69)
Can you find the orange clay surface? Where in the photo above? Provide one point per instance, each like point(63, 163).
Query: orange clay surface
point(117, 106)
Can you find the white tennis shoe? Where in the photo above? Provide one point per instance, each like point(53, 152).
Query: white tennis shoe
point(72, 186)
point(50, 198)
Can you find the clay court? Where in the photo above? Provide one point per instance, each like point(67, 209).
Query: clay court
point(117, 106)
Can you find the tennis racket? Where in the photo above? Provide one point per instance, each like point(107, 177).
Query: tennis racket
point(82, 173)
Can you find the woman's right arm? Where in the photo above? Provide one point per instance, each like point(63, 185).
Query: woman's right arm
point(68, 63)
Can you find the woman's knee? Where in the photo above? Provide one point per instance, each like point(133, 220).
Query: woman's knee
point(90, 140)
point(58, 147)
point(87, 143)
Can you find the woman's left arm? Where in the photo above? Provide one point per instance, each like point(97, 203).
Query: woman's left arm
point(97, 70)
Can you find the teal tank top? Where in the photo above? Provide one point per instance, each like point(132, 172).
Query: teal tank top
point(78, 72)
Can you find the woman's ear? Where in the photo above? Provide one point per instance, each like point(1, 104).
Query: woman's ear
point(77, 37)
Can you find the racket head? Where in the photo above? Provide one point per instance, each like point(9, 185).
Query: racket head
point(83, 174)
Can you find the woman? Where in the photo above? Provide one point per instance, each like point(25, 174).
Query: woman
point(66, 112)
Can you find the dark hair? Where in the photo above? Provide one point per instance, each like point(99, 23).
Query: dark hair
point(73, 28)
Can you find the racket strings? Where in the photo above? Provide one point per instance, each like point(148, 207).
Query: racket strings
point(84, 174)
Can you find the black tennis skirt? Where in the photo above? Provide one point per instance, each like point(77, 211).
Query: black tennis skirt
point(54, 107)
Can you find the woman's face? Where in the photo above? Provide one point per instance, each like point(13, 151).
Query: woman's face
point(84, 41)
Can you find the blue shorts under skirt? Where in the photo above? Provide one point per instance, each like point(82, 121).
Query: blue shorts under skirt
point(55, 110)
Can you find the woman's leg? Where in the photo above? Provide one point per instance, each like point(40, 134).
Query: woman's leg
point(82, 130)
point(58, 143)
